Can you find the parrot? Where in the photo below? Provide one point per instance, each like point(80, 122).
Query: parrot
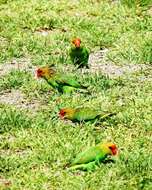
point(79, 55)
point(59, 81)
point(82, 114)
point(93, 156)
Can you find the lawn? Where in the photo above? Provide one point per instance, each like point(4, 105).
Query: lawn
point(35, 145)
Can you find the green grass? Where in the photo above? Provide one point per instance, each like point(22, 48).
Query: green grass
point(34, 148)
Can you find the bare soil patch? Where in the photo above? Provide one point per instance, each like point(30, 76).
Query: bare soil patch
point(5, 183)
point(23, 64)
point(99, 64)
point(17, 99)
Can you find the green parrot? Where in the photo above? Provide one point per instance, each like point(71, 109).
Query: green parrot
point(59, 81)
point(79, 54)
point(92, 157)
point(83, 114)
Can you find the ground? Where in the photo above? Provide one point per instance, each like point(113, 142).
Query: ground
point(35, 145)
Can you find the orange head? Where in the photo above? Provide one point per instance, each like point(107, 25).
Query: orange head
point(109, 147)
point(66, 113)
point(45, 72)
point(77, 42)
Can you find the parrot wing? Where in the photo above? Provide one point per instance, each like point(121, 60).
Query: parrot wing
point(91, 166)
point(68, 89)
point(53, 83)
point(80, 56)
point(92, 154)
point(84, 167)
point(68, 81)
point(85, 114)
point(83, 57)
point(85, 53)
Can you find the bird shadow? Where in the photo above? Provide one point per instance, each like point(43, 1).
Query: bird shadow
point(109, 161)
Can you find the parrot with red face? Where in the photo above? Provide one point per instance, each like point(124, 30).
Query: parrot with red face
point(83, 114)
point(59, 81)
point(92, 157)
point(79, 54)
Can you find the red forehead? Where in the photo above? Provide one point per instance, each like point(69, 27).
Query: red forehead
point(77, 40)
point(39, 70)
point(114, 149)
point(62, 112)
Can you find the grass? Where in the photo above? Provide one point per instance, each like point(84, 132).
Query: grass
point(34, 148)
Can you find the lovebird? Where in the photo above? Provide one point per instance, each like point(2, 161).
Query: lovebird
point(92, 157)
point(79, 54)
point(83, 114)
point(59, 81)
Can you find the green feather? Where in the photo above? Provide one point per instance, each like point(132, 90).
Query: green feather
point(92, 154)
point(88, 114)
point(61, 82)
point(79, 56)
point(89, 159)
point(68, 89)
point(85, 167)
point(85, 114)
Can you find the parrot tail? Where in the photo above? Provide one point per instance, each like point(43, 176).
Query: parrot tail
point(84, 91)
point(104, 116)
point(84, 167)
